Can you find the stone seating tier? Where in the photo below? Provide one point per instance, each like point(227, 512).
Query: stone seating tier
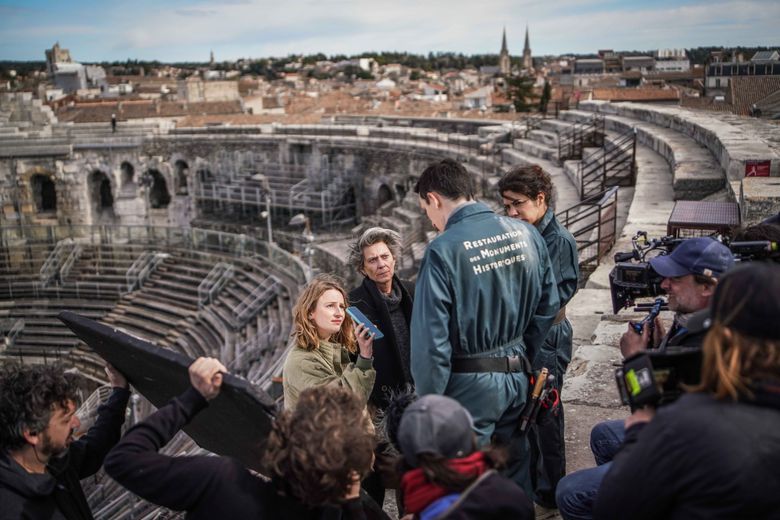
point(695, 171)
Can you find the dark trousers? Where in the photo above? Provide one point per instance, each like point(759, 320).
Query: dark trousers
point(548, 456)
point(546, 437)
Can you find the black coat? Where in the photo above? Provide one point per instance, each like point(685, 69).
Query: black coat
point(387, 357)
point(699, 458)
point(204, 486)
point(57, 494)
point(491, 497)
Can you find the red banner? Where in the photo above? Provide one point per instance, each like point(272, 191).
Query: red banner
point(757, 168)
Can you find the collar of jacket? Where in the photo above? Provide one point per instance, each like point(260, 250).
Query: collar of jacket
point(14, 476)
point(466, 210)
point(545, 221)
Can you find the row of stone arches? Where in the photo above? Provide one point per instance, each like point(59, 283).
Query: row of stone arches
point(43, 189)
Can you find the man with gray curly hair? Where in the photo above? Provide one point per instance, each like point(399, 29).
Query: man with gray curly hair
point(387, 302)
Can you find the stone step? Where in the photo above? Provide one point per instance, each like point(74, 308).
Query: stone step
point(695, 171)
point(555, 125)
point(536, 149)
point(544, 137)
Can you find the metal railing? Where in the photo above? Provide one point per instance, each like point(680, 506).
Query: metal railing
point(142, 267)
point(13, 333)
point(574, 139)
point(593, 222)
point(160, 237)
point(51, 267)
point(613, 165)
point(67, 265)
point(210, 286)
point(256, 301)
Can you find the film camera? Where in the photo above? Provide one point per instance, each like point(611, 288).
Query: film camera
point(657, 376)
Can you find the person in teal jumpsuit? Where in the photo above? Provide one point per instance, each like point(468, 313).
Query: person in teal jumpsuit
point(527, 195)
point(485, 299)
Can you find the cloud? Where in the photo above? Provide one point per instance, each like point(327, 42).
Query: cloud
point(241, 28)
point(195, 12)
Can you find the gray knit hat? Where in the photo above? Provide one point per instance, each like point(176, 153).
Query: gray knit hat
point(435, 425)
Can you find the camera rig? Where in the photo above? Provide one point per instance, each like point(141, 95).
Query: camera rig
point(633, 277)
point(656, 376)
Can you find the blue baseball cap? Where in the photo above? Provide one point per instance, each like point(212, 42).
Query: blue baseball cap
point(703, 256)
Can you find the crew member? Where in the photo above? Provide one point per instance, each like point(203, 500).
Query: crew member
point(690, 275)
point(485, 299)
point(527, 195)
point(713, 453)
point(40, 462)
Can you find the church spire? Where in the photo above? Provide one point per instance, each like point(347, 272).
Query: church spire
point(528, 61)
point(527, 47)
point(504, 61)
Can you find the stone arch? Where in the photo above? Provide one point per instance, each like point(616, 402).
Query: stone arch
point(159, 196)
point(384, 194)
point(127, 179)
point(182, 172)
point(101, 195)
point(44, 193)
point(127, 174)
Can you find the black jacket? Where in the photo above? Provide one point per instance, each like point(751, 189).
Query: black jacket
point(206, 487)
point(387, 357)
point(691, 336)
point(490, 497)
point(57, 494)
point(699, 458)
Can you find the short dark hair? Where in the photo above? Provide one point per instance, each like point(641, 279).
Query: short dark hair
point(530, 181)
point(314, 449)
point(28, 395)
point(447, 178)
point(762, 231)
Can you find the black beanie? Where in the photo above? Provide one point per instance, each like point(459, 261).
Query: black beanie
point(747, 299)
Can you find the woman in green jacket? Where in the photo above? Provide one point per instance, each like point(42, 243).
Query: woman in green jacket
point(323, 340)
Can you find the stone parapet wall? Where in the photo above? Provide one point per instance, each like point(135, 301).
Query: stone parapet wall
point(731, 145)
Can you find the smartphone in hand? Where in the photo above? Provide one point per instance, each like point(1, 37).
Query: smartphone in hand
point(359, 317)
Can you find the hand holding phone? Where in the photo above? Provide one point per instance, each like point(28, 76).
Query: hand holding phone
point(359, 317)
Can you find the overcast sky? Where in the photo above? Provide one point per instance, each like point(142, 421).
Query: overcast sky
point(187, 30)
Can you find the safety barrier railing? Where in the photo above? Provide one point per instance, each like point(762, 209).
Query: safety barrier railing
point(573, 140)
point(161, 237)
point(593, 222)
point(613, 165)
point(210, 286)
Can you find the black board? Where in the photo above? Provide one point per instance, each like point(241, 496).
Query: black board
point(236, 423)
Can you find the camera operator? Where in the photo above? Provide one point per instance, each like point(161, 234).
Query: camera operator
point(714, 452)
point(691, 272)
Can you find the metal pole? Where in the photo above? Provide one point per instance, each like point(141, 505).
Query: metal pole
point(268, 216)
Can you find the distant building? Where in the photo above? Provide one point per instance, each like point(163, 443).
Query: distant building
point(385, 84)
point(672, 60)
point(193, 90)
point(56, 55)
point(638, 63)
point(432, 92)
point(528, 61)
point(611, 61)
point(589, 66)
point(504, 62)
point(479, 98)
point(719, 73)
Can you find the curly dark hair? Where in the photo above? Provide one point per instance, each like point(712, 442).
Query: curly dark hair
point(28, 396)
point(313, 450)
point(530, 181)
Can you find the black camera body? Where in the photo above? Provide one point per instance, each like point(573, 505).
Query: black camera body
point(656, 377)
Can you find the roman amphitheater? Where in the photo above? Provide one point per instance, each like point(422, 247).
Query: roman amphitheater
point(199, 239)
